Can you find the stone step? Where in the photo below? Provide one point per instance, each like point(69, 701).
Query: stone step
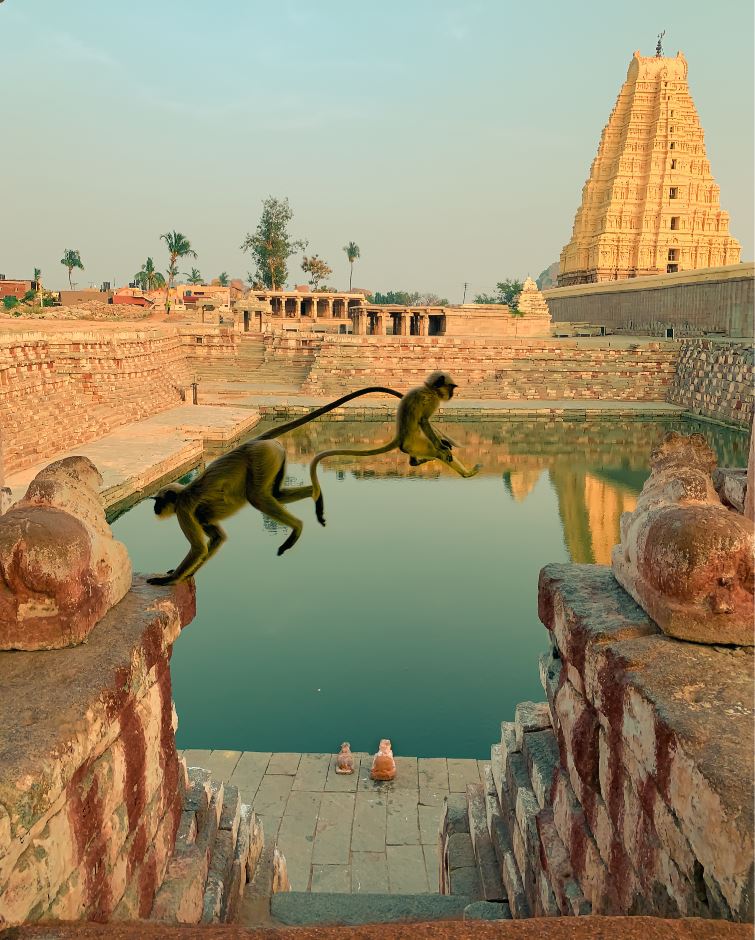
point(298, 908)
point(218, 846)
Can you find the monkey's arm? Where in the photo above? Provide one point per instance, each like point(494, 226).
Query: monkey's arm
point(432, 435)
point(198, 552)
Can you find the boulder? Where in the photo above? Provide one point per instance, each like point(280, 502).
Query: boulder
point(684, 557)
point(61, 570)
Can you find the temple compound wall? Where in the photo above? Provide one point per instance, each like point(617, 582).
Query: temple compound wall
point(629, 790)
point(717, 300)
point(715, 380)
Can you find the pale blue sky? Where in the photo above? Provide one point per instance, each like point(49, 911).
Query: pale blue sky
point(450, 140)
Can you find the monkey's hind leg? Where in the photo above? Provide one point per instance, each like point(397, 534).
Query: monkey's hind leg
point(268, 504)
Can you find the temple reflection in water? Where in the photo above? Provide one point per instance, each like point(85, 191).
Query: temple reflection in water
point(595, 466)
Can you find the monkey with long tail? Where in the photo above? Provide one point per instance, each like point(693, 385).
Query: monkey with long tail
point(414, 435)
point(254, 472)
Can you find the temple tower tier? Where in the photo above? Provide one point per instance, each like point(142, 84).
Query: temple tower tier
point(651, 204)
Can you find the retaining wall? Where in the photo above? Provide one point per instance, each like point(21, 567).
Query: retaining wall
point(712, 299)
point(521, 369)
point(715, 380)
point(91, 788)
point(630, 790)
point(65, 388)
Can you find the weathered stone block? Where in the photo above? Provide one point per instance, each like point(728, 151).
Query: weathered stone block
point(683, 556)
point(530, 716)
point(578, 723)
point(541, 755)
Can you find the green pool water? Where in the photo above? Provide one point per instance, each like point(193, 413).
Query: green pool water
point(413, 614)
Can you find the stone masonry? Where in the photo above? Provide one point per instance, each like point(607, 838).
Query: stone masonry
point(522, 369)
point(715, 380)
point(91, 789)
point(630, 790)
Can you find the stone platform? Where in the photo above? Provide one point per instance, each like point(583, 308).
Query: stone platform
point(578, 928)
point(347, 834)
point(147, 452)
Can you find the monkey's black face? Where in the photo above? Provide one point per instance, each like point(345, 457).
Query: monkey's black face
point(165, 503)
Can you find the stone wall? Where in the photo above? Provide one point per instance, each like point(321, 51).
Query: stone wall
point(91, 787)
point(630, 790)
point(521, 369)
point(715, 380)
point(713, 299)
point(59, 389)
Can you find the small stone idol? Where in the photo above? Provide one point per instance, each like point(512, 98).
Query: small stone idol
point(383, 764)
point(345, 760)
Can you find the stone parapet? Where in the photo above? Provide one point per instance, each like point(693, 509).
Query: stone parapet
point(630, 790)
point(91, 788)
point(715, 380)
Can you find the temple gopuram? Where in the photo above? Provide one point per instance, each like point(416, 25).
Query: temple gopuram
point(651, 204)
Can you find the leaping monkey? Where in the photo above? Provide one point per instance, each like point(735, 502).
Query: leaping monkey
point(414, 435)
point(254, 473)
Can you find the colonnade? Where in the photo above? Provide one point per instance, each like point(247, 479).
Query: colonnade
point(374, 321)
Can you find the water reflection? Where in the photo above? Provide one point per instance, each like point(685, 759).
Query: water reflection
point(595, 466)
point(413, 614)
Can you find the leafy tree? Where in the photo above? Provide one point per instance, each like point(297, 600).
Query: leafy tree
point(352, 253)
point(507, 292)
point(271, 246)
point(254, 282)
point(430, 300)
point(406, 299)
point(317, 269)
point(223, 279)
point(10, 302)
point(194, 277)
point(178, 247)
point(71, 259)
point(148, 277)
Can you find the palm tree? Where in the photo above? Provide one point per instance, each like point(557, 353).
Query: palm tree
point(71, 259)
point(223, 279)
point(178, 247)
point(148, 278)
point(352, 253)
point(194, 277)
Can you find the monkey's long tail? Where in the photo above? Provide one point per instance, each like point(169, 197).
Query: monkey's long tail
point(305, 419)
point(316, 491)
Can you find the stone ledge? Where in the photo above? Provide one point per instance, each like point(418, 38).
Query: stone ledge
point(577, 928)
point(58, 707)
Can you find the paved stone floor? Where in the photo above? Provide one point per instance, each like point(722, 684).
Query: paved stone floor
point(135, 455)
point(347, 833)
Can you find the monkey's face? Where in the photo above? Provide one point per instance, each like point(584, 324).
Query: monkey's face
point(442, 384)
point(165, 502)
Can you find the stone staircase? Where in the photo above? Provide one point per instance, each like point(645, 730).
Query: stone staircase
point(489, 369)
point(219, 849)
point(268, 363)
point(503, 844)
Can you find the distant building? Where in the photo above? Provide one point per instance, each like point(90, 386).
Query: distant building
point(15, 288)
point(651, 204)
point(69, 298)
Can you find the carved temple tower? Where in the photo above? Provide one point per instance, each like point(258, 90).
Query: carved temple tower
point(650, 205)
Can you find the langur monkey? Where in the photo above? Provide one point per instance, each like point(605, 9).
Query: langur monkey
point(254, 473)
point(414, 436)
